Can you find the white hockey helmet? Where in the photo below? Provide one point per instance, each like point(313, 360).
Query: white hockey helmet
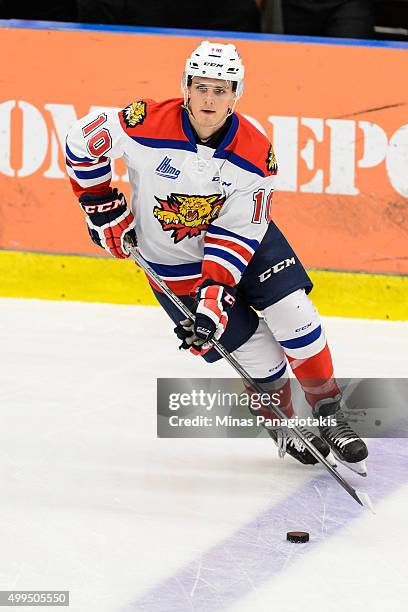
point(215, 61)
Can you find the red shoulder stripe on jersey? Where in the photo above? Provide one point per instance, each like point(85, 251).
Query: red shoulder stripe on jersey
point(251, 145)
point(150, 119)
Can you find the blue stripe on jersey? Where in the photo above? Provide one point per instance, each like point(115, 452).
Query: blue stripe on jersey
point(187, 129)
point(272, 377)
point(74, 157)
point(302, 340)
point(190, 269)
point(229, 136)
point(91, 174)
point(159, 143)
point(220, 231)
point(210, 250)
point(237, 160)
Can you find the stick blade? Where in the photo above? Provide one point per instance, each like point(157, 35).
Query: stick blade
point(364, 499)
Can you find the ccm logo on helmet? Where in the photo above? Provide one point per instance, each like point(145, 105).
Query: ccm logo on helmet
point(213, 64)
point(276, 268)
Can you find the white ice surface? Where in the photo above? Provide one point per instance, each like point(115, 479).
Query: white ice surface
point(93, 502)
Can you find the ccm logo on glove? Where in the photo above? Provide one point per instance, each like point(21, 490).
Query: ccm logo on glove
point(211, 318)
point(109, 221)
point(101, 208)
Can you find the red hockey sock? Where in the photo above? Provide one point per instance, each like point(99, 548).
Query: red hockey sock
point(315, 375)
point(282, 392)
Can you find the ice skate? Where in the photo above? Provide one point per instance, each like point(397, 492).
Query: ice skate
point(346, 444)
point(288, 442)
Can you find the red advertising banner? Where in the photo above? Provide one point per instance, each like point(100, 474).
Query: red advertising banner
point(337, 116)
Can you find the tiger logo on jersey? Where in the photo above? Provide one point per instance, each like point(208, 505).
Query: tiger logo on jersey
point(187, 215)
point(134, 114)
point(271, 163)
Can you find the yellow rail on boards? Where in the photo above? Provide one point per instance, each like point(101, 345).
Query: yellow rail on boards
point(94, 279)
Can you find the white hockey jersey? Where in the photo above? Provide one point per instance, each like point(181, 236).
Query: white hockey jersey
point(200, 212)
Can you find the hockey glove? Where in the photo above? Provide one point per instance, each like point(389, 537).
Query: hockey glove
point(213, 303)
point(109, 220)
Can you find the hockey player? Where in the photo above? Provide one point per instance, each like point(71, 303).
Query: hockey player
point(202, 180)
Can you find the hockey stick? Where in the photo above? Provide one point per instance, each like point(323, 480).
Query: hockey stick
point(360, 496)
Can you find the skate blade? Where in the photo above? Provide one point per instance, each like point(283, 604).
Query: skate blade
point(365, 500)
point(360, 467)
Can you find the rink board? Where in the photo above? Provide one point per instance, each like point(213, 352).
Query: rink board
point(340, 135)
point(98, 279)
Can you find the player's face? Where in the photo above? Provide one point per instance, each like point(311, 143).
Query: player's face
point(209, 101)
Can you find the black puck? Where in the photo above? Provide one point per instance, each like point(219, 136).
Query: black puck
point(297, 536)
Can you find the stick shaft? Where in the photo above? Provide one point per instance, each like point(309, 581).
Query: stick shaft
point(136, 256)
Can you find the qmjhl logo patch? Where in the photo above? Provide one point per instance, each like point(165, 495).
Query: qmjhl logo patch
point(166, 170)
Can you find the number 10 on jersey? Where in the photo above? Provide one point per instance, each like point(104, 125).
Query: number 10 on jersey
point(262, 206)
point(100, 142)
